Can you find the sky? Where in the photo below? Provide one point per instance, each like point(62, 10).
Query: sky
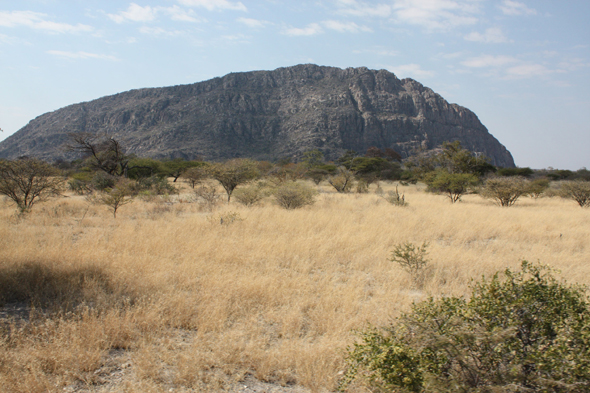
point(522, 66)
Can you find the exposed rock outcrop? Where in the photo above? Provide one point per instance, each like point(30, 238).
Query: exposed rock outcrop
point(266, 115)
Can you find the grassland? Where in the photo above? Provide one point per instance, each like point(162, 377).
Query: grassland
point(165, 297)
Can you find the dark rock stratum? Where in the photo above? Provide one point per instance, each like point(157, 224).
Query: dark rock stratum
point(265, 115)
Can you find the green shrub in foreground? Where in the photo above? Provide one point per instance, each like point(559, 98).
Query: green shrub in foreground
point(519, 332)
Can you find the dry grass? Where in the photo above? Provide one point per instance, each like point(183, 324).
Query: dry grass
point(192, 304)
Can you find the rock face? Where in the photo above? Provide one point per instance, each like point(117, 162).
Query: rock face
point(266, 115)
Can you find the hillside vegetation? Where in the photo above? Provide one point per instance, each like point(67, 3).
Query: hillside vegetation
point(179, 295)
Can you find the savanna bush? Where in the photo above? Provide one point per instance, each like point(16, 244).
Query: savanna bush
point(102, 181)
point(521, 331)
point(207, 196)
point(505, 190)
point(578, 190)
point(538, 187)
point(393, 197)
point(412, 259)
point(251, 194)
point(293, 195)
point(342, 181)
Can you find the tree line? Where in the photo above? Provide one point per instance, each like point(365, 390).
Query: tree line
point(107, 168)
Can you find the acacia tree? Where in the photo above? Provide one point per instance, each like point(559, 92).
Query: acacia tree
point(27, 181)
point(454, 185)
point(194, 175)
point(232, 173)
point(578, 190)
point(505, 190)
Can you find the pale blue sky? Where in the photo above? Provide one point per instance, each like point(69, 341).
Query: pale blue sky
point(522, 66)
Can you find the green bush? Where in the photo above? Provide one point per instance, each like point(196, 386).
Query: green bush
point(412, 259)
point(505, 190)
point(538, 187)
point(292, 195)
point(156, 185)
point(507, 172)
point(251, 194)
point(521, 331)
point(102, 181)
point(454, 185)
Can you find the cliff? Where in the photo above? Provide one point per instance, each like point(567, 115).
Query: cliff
point(266, 115)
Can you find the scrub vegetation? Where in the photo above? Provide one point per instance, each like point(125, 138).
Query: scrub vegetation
point(182, 292)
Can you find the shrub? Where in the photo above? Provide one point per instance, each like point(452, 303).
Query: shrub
point(80, 183)
point(578, 190)
point(538, 187)
point(362, 186)
point(294, 195)
point(524, 331)
point(454, 185)
point(121, 194)
point(157, 185)
point(393, 197)
point(102, 181)
point(507, 172)
point(505, 190)
point(251, 194)
point(343, 180)
point(207, 195)
point(412, 259)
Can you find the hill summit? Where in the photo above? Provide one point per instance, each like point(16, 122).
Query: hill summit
point(266, 115)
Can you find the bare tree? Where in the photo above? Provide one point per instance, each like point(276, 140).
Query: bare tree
point(27, 181)
point(105, 153)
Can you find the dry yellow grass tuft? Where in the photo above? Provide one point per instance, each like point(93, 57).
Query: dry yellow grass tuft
point(174, 299)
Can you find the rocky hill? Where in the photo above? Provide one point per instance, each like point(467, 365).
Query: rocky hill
point(265, 115)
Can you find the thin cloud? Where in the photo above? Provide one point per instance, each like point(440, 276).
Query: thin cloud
point(135, 13)
point(81, 55)
point(309, 30)
point(527, 71)
point(159, 32)
point(253, 23)
point(236, 39)
point(514, 8)
point(412, 70)
point(38, 21)
point(436, 14)
point(361, 9)
point(4, 39)
point(486, 61)
point(179, 14)
point(507, 67)
point(345, 27)
point(493, 35)
point(213, 5)
point(379, 52)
